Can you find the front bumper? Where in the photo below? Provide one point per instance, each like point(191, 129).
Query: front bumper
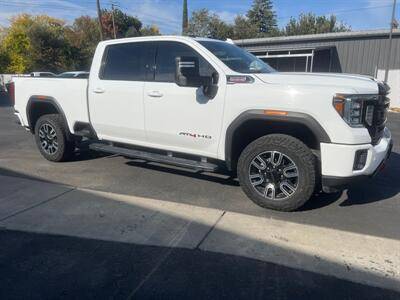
point(337, 162)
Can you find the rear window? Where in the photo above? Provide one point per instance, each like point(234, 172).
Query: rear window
point(128, 61)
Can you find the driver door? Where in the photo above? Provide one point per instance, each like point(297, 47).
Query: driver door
point(181, 118)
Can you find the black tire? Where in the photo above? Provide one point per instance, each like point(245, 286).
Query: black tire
point(291, 148)
point(65, 148)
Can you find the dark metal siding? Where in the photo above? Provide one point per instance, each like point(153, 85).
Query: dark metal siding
point(359, 55)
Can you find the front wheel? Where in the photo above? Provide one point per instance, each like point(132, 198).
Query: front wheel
point(277, 171)
point(51, 138)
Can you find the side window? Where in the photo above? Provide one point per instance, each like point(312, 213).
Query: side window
point(128, 61)
point(165, 61)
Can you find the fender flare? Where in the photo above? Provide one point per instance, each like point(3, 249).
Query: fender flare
point(49, 100)
point(258, 114)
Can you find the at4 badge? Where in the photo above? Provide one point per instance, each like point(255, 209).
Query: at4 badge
point(196, 135)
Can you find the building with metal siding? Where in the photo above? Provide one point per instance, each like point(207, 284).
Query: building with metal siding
point(362, 52)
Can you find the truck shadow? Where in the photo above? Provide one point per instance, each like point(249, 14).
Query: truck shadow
point(320, 200)
point(384, 186)
point(83, 153)
point(222, 177)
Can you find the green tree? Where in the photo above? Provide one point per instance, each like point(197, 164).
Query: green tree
point(4, 60)
point(125, 25)
point(243, 29)
point(311, 24)
point(16, 46)
point(50, 50)
point(185, 18)
point(83, 37)
point(263, 17)
point(35, 43)
point(42, 43)
point(205, 24)
point(150, 30)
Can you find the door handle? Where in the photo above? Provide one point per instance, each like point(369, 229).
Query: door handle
point(98, 90)
point(155, 94)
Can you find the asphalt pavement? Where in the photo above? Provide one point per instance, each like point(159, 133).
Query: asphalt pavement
point(378, 199)
point(110, 227)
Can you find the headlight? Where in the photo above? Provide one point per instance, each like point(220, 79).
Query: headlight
point(350, 108)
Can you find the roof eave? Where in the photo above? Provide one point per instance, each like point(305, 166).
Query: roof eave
point(322, 36)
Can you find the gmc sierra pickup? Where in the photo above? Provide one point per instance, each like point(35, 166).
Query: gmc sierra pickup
point(208, 104)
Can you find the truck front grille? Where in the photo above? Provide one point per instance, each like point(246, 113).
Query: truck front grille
point(376, 128)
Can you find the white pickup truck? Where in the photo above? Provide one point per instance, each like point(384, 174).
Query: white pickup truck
point(209, 105)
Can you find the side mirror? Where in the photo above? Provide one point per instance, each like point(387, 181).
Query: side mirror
point(210, 86)
point(187, 72)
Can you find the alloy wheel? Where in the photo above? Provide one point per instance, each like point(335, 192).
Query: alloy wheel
point(274, 175)
point(48, 138)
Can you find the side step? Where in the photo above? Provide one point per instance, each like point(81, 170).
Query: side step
point(154, 157)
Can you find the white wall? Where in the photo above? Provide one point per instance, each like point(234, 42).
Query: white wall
point(394, 83)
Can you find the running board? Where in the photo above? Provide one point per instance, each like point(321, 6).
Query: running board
point(154, 157)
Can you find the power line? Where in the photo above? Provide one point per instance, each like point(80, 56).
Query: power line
point(74, 7)
point(338, 12)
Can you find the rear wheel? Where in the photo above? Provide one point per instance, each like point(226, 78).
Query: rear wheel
point(51, 138)
point(278, 172)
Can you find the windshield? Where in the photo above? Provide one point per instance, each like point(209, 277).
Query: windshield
point(236, 58)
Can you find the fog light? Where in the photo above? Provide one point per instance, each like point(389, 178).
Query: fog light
point(360, 159)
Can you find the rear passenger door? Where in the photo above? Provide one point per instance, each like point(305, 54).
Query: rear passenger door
point(116, 96)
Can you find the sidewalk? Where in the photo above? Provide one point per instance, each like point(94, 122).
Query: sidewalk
point(165, 242)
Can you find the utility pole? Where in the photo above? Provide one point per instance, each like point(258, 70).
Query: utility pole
point(392, 25)
point(99, 18)
point(185, 21)
point(113, 21)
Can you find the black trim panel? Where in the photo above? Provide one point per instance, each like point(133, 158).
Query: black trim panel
point(258, 114)
point(333, 184)
point(49, 100)
point(85, 129)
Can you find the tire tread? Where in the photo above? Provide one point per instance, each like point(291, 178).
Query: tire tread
point(293, 145)
point(66, 145)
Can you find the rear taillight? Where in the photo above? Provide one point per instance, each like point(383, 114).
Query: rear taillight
point(11, 93)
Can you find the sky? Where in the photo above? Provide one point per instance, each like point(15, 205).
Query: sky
point(167, 14)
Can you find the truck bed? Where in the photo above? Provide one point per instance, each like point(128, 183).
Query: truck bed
point(69, 93)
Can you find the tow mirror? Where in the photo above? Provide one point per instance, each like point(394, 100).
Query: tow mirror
point(188, 74)
point(187, 71)
point(210, 86)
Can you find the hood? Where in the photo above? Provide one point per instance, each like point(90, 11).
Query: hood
point(357, 83)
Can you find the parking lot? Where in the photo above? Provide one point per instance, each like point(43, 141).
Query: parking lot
point(111, 227)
